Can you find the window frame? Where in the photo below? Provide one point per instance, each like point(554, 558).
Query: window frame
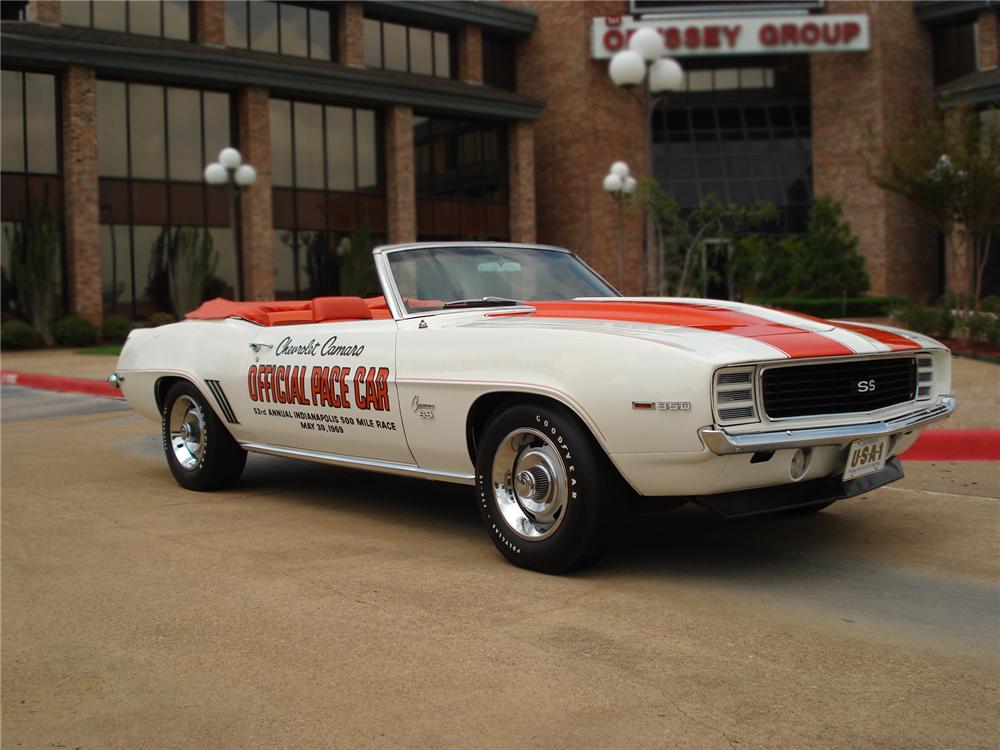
point(162, 35)
point(434, 31)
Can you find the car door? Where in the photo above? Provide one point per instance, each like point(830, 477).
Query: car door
point(327, 387)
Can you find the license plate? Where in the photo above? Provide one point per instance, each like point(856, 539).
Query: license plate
point(866, 457)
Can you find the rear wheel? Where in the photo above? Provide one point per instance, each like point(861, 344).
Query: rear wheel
point(201, 453)
point(546, 492)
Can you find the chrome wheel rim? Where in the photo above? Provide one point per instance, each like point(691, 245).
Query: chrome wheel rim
point(530, 484)
point(187, 432)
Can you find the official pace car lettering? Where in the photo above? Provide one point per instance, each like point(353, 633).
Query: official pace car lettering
point(320, 385)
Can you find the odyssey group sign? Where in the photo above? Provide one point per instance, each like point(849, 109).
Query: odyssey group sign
point(753, 35)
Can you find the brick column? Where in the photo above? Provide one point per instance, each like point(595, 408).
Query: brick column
point(44, 11)
point(888, 87)
point(400, 182)
point(82, 224)
point(521, 155)
point(987, 39)
point(256, 235)
point(210, 22)
point(351, 34)
point(470, 54)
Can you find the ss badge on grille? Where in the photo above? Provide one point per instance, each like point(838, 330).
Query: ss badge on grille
point(864, 386)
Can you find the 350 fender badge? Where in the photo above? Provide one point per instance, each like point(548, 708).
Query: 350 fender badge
point(662, 405)
point(424, 411)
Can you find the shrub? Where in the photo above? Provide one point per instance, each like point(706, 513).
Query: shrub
point(852, 307)
point(74, 330)
point(990, 304)
point(16, 334)
point(160, 319)
point(983, 328)
point(938, 322)
point(116, 328)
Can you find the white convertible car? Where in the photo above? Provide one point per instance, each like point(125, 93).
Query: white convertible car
point(518, 370)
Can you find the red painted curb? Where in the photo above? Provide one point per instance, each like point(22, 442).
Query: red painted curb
point(58, 383)
point(955, 445)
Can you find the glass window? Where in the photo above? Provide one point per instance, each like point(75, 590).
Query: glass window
point(110, 15)
point(144, 18)
point(373, 43)
point(146, 134)
point(340, 149)
point(367, 149)
point(13, 121)
point(112, 130)
point(281, 143)
point(264, 26)
point(294, 30)
point(499, 67)
point(236, 23)
point(442, 54)
point(394, 46)
point(421, 52)
point(75, 14)
point(116, 268)
point(954, 51)
point(40, 107)
point(410, 49)
point(217, 130)
point(319, 34)
point(176, 19)
point(184, 134)
point(308, 145)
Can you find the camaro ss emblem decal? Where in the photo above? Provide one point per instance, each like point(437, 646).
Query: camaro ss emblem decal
point(662, 405)
point(425, 411)
point(864, 386)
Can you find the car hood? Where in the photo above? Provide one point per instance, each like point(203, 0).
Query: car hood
point(700, 324)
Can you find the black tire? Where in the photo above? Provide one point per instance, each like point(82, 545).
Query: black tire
point(218, 460)
point(591, 512)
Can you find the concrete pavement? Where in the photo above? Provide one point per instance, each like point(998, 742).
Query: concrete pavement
point(314, 607)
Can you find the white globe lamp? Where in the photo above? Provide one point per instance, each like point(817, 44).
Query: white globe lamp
point(620, 169)
point(245, 175)
point(648, 43)
point(216, 174)
point(627, 68)
point(628, 185)
point(612, 183)
point(230, 158)
point(665, 75)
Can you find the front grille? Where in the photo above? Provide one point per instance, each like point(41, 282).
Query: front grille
point(839, 387)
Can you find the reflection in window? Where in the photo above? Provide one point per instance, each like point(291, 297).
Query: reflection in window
point(461, 174)
point(323, 147)
point(164, 18)
point(499, 66)
point(327, 188)
point(409, 49)
point(152, 145)
point(30, 140)
point(301, 30)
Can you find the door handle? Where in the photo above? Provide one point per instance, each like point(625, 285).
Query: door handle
point(257, 347)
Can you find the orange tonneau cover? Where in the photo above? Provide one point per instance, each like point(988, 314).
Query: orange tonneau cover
point(258, 312)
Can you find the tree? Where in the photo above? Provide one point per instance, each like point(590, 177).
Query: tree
point(34, 266)
point(948, 165)
point(684, 236)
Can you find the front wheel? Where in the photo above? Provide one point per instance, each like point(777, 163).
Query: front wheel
point(546, 492)
point(201, 453)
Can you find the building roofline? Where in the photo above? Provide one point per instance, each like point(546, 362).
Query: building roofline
point(492, 16)
point(122, 55)
point(945, 11)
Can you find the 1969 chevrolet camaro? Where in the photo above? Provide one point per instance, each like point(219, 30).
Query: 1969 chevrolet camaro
point(518, 370)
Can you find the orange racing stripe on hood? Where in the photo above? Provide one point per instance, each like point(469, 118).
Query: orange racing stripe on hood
point(894, 341)
point(795, 342)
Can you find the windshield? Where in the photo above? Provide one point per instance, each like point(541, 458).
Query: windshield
point(429, 278)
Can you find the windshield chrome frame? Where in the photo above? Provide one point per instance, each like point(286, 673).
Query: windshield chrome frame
point(395, 300)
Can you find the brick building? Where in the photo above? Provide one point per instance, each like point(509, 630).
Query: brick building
point(452, 120)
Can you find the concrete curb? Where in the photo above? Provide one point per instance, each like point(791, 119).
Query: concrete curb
point(59, 383)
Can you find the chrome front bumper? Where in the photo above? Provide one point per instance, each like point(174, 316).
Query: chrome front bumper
point(723, 443)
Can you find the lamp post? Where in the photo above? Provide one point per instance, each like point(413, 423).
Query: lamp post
point(230, 171)
point(618, 183)
point(645, 72)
